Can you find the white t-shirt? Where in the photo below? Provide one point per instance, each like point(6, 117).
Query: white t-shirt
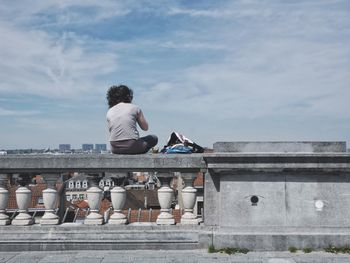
point(121, 120)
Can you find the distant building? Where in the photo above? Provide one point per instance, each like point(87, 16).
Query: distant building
point(101, 147)
point(76, 188)
point(87, 147)
point(64, 147)
point(106, 184)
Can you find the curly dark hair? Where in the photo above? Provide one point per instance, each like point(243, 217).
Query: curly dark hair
point(117, 94)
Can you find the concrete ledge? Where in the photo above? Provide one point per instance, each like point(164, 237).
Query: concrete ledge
point(257, 147)
point(325, 162)
point(40, 163)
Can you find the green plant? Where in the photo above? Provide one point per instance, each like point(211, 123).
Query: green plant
point(307, 250)
point(292, 249)
point(227, 250)
point(211, 249)
point(336, 250)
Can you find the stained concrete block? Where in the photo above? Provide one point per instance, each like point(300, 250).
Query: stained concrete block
point(279, 199)
point(252, 200)
point(280, 238)
point(212, 208)
point(310, 147)
point(318, 200)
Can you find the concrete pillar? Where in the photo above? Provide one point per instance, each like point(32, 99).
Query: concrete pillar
point(4, 195)
point(189, 194)
point(50, 200)
point(118, 197)
point(23, 198)
point(94, 195)
point(165, 196)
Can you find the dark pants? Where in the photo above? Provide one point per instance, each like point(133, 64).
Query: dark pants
point(141, 145)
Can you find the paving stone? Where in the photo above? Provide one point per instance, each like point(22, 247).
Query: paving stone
point(57, 258)
point(163, 256)
point(27, 257)
point(279, 260)
point(5, 257)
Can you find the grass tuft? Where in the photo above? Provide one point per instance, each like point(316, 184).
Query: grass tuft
point(292, 249)
point(336, 250)
point(307, 250)
point(227, 250)
point(211, 249)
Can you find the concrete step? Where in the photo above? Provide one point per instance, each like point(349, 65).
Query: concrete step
point(177, 237)
point(83, 237)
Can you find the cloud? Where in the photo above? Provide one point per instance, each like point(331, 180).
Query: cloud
point(263, 80)
point(287, 60)
point(61, 13)
point(192, 45)
point(245, 66)
point(200, 13)
point(7, 112)
point(64, 65)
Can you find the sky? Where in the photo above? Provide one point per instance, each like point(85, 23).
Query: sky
point(223, 70)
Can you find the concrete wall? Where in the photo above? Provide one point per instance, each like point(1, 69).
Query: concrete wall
point(272, 196)
point(278, 189)
point(278, 199)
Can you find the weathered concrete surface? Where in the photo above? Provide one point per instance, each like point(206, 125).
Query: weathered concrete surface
point(133, 237)
point(256, 147)
point(84, 237)
point(277, 190)
point(278, 162)
point(291, 199)
point(275, 200)
point(167, 256)
point(100, 163)
point(273, 238)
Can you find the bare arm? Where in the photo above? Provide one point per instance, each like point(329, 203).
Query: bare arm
point(142, 121)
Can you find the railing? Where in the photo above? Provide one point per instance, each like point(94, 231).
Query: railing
point(52, 167)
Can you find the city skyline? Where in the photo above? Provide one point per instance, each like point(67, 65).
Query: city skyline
point(239, 70)
point(65, 147)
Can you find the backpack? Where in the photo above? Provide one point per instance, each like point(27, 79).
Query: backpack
point(178, 143)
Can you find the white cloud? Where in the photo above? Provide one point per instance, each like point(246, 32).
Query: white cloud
point(63, 12)
point(200, 13)
point(266, 79)
point(192, 45)
point(35, 62)
point(259, 62)
point(7, 112)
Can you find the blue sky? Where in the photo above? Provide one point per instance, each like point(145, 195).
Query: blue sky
point(213, 70)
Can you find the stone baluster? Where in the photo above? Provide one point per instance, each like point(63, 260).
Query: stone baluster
point(4, 196)
point(189, 199)
point(165, 196)
point(118, 198)
point(94, 196)
point(23, 198)
point(50, 200)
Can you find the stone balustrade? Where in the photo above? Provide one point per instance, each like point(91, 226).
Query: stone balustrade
point(51, 167)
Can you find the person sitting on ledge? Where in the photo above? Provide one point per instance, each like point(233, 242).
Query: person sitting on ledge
point(122, 117)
